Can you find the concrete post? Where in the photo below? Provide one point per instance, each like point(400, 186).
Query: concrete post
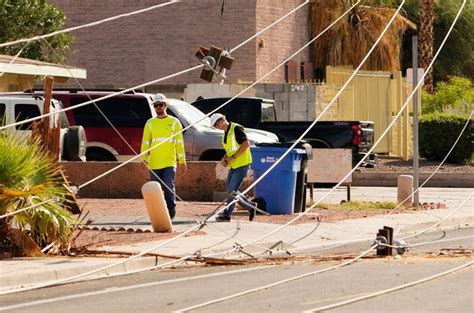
point(156, 207)
point(405, 190)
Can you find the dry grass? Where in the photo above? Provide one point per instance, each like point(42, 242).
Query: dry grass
point(359, 205)
point(350, 40)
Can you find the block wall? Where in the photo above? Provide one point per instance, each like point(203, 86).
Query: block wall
point(144, 47)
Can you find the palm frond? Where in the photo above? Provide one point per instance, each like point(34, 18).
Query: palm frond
point(350, 40)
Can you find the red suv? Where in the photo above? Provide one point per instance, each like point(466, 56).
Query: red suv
point(127, 112)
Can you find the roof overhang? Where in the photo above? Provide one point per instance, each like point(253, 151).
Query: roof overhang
point(24, 66)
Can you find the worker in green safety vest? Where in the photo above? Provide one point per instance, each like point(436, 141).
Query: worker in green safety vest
point(162, 159)
point(237, 157)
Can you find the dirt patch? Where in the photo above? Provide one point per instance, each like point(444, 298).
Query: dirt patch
point(195, 210)
point(200, 210)
point(136, 207)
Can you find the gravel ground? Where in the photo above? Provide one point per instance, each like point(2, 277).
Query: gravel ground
point(397, 165)
point(196, 210)
point(199, 210)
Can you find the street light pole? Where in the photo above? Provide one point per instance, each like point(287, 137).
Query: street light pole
point(415, 122)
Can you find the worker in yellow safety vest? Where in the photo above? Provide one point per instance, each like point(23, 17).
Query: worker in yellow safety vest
point(237, 157)
point(162, 159)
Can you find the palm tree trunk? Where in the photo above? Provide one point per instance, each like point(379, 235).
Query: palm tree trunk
point(426, 40)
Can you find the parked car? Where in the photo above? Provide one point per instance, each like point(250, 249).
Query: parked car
point(260, 113)
point(16, 107)
point(129, 113)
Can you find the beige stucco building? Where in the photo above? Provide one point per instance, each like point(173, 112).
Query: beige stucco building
point(18, 74)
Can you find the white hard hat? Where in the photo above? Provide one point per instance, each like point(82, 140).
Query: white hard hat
point(215, 117)
point(159, 98)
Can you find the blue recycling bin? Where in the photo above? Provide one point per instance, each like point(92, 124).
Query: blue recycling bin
point(277, 188)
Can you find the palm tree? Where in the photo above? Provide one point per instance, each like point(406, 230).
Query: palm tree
point(426, 40)
point(349, 40)
point(27, 177)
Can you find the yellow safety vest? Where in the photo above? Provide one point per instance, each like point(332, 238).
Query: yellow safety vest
point(157, 131)
point(231, 147)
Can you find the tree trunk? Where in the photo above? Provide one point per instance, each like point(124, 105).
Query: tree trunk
point(426, 40)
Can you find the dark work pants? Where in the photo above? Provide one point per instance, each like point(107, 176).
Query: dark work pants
point(167, 176)
point(234, 181)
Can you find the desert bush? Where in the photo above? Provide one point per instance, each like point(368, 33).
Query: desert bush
point(439, 131)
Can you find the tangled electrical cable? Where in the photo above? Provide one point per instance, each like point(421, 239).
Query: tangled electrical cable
point(313, 123)
point(103, 98)
point(375, 144)
point(374, 246)
point(121, 92)
point(453, 24)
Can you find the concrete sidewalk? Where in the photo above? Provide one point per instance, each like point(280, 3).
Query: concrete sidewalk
point(220, 237)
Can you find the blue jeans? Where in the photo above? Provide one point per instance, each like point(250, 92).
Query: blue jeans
point(167, 176)
point(234, 181)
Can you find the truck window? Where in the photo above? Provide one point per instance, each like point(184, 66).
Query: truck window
point(190, 115)
point(268, 112)
point(24, 112)
point(2, 114)
point(122, 112)
point(245, 111)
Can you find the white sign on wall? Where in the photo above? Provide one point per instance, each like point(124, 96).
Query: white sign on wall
point(421, 72)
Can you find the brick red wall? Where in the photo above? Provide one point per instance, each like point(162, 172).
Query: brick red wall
point(144, 47)
point(284, 38)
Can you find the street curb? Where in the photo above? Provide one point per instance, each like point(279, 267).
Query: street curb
point(457, 221)
point(61, 268)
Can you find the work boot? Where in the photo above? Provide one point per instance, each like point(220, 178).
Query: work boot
point(222, 218)
point(172, 213)
point(252, 212)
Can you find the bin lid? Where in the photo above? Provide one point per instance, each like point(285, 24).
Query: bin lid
point(280, 150)
point(280, 144)
point(301, 148)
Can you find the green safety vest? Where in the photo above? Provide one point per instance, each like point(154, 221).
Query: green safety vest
point(231, 147)
point(156, 131)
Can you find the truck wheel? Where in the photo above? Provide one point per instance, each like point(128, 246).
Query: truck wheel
point(97, 154)
point(212, 155)
point(75, 144)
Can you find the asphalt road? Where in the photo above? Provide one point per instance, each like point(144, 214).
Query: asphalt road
point(177, 289)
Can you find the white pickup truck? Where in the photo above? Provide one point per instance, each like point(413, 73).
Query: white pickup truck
point(16, 107)
point(201, 141)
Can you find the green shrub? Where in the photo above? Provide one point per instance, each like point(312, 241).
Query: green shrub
point(454, 96)
point(437, 134)
point(28, 177)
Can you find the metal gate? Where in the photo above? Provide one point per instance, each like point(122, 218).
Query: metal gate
point(374, 96)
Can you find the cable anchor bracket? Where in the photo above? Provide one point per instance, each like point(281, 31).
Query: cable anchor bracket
point(239, 248)
point(384, 241)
